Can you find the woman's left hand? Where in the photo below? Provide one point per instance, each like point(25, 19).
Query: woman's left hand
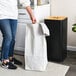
point(33, 20)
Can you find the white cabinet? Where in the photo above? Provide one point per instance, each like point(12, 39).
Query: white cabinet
point(41, 9)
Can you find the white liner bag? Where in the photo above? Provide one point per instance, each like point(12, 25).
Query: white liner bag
point(35, 47)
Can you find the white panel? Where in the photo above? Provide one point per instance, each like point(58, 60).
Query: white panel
point(20, 36)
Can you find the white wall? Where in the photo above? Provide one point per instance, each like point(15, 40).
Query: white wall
point(66, 8)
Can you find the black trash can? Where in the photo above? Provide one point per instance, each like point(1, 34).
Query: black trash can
point(57, 41)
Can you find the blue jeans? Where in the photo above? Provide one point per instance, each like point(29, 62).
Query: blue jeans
point(8, 28)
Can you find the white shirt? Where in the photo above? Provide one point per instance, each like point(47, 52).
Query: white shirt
point(9, 8)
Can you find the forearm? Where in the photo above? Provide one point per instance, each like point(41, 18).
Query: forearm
point(31, 14)
point(29, 10)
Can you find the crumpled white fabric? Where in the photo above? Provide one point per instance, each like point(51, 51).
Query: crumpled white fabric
point(36, 47)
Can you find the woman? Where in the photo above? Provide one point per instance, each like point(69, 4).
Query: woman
point(8, 26)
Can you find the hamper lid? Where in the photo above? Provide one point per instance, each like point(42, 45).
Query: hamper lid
point(56, 18)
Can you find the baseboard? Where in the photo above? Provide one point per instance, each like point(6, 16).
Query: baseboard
point(71, 48)
point(17, 52)
point(20, 50)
